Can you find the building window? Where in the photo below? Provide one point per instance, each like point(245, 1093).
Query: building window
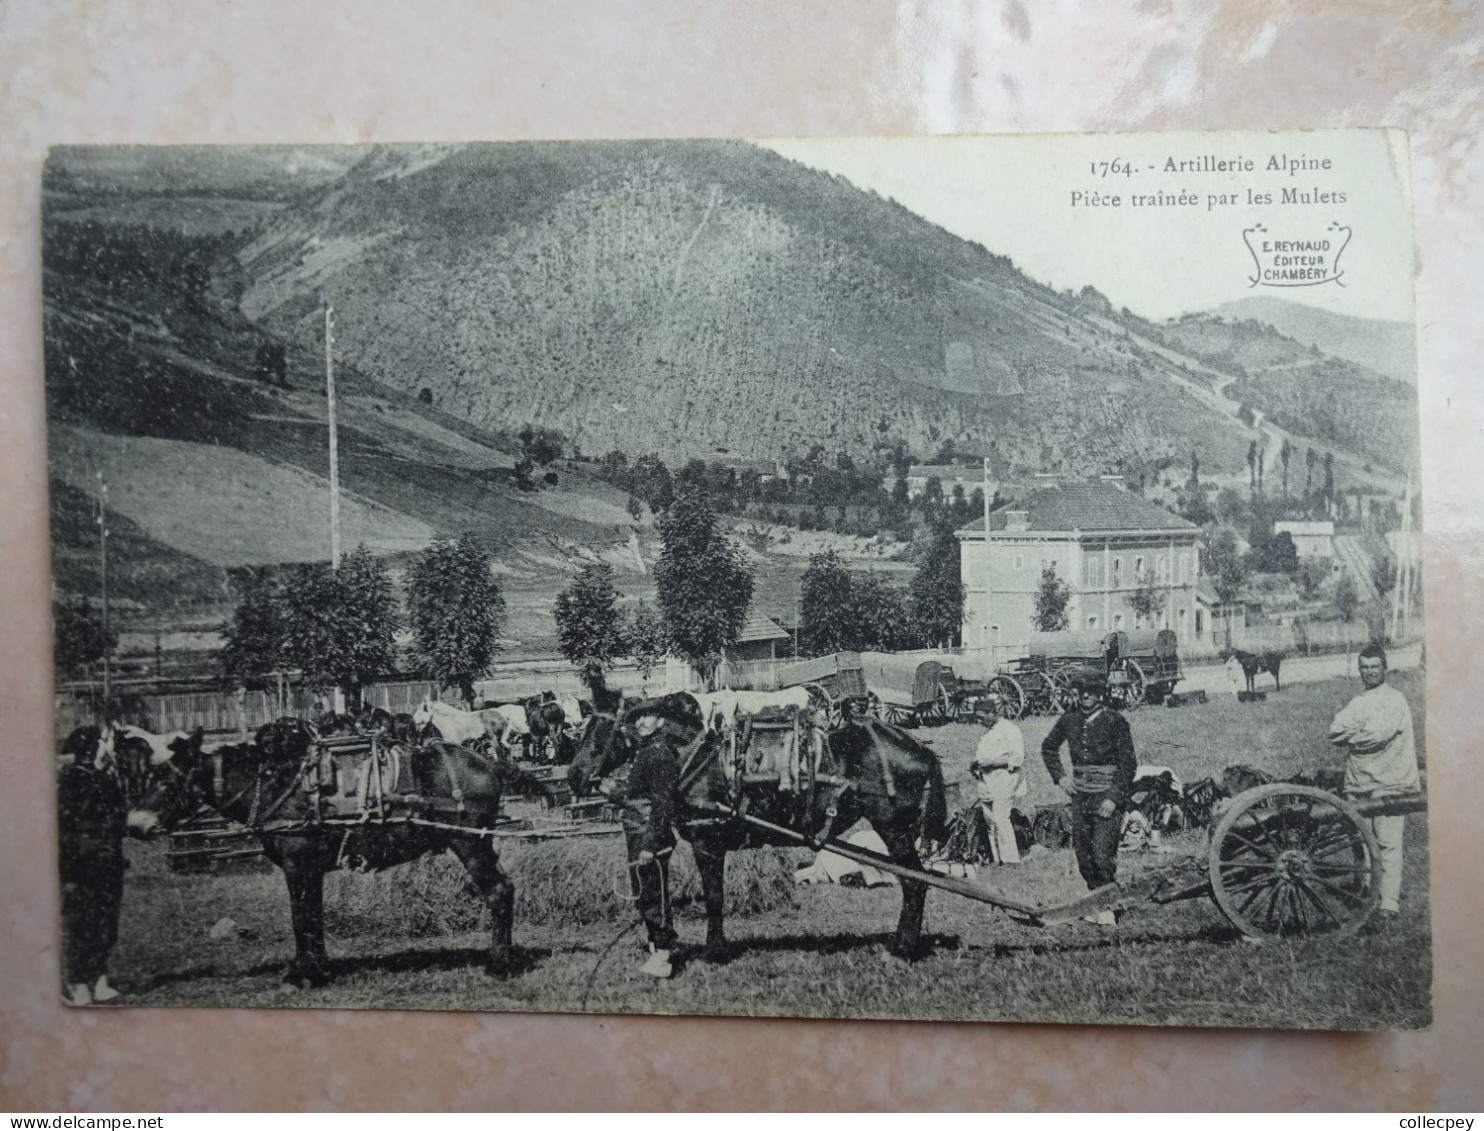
point(1117, 620)
point(1093, 569)
point(1180, 620)
point(1092, 622)
point(1019, 562)
point(1117, 572)
point(1138, 569)
point(1198, 618)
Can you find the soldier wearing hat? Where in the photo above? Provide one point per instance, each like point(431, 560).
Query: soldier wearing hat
point(1101, 750)
point(663, 731)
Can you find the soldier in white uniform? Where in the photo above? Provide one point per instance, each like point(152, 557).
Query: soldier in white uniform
point(998, 766)
point(1375, 728)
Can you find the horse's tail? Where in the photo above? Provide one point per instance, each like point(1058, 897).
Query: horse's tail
point(932, 817)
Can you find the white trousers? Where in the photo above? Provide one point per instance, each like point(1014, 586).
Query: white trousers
point(1388, 833)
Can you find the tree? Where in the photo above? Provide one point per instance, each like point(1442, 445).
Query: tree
point(254, 647)
point(1311, 458)
point(647, 641)
point(1230, 506)
point(270, 365)
point(827, 605)
point(341, 624)
point(1252, 464)
point(1225, 565)
point(932, 492)
point(937, 602)
point(1195, 469)
point(590, 628)
point(1383, 574)
point(1310, 575)
point(1346, 598)
point(704, 584)
point(899, 490)
point(79, 639)
point(1278, 554)
point(1285, 453)
point(1329, 481)
point(456, 609)
point(1052, 597)
point(1147, 600)
point(634, 507)
point(541, 445)
point(879, 617)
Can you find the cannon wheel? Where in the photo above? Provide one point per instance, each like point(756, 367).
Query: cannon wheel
point(1010, 694)
point(1061, 694)
point(1294, 860)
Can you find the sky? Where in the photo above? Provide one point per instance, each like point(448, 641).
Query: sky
point(1014, 195)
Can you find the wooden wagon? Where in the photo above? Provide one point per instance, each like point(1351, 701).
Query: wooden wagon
point(836, 681)
point(913, 691)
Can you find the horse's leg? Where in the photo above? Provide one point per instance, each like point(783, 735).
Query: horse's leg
point(711, 862)
point(306, 884)
point(901, 847)
point(482, 861)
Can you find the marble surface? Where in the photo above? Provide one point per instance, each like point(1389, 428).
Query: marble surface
point(358, 70)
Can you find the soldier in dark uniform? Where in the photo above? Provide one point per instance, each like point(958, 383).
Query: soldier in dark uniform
point(1101, 750)
point(91, 812)
point(663, 730)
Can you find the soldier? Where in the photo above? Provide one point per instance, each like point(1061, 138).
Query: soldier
point(90, 817)
point(662, 730)
point(1101, 750)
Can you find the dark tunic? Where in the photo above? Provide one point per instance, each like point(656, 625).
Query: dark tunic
point(1101, 750)
point(91, 811)
point(1100, 740)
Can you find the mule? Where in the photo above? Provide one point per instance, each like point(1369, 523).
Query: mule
point(498, 728)
point(1255, 664)
point(868, 770)
point(268, 785)
point(133, 751)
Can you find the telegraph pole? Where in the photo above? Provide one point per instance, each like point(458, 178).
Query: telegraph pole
point(339, 699)
point(102, 519)
point(334, 447)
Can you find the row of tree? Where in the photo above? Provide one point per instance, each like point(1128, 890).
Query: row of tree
point(339, 627)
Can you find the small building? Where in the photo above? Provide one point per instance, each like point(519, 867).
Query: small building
point(759, 640)
point(1310, 539)
point(1214, 618)
point(948, 476)
point(1104, 541)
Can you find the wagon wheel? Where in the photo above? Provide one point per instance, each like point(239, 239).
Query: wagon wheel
point(1061, 694)
point(1130, 693)
point(898, 715)
point(1294, 860)
point(1010, 694)
point(874, 706)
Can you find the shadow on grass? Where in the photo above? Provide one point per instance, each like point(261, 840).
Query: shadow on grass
point(838, 943)
point(523, 960)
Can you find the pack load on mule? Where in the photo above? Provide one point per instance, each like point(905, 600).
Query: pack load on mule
point(783, 780)
point(320, 804)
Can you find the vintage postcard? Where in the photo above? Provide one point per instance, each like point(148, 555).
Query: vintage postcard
point(967, 578)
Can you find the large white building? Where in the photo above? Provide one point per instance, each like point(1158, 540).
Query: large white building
point(1103, 540)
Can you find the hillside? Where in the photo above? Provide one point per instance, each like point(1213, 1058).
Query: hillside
point(1336, 402)
point(1387, 348)
point(693, 297)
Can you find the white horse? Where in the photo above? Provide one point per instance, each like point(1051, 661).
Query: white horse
point(500, 725)
point(722, 709)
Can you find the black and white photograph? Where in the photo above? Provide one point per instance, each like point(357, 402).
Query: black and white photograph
point(937, 578)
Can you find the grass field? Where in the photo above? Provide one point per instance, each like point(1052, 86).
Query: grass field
point(411, 939)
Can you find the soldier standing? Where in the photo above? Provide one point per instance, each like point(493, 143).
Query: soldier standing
point(1101, 750)
point(91, 812)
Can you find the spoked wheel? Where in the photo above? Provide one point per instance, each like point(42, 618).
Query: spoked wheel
point(1294, 860)
point(1061, 695)
point(1128, 692)
point(1010, 694)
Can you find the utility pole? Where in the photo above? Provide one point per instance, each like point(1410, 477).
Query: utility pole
point(339, 699)
point(101, 518)
point(334, 447)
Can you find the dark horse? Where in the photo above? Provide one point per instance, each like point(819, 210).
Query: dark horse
point(867, 769)
point(441, 796)
point(1254, 664)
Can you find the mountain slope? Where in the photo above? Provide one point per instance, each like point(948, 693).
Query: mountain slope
point(690, 297)
point(1387, 348)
